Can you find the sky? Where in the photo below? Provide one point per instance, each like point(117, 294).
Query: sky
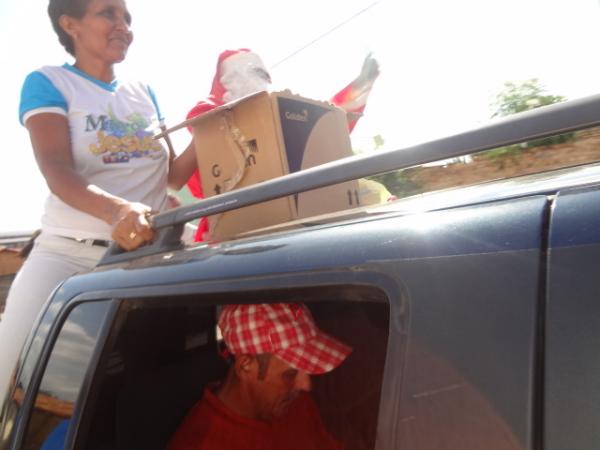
point(442, 63)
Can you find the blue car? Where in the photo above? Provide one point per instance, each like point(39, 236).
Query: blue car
point(473, 312)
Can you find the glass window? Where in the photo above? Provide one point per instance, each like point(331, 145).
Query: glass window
point(63, 377)
point(165, 354)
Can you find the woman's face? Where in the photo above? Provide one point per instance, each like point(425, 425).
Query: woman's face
point(102, 33)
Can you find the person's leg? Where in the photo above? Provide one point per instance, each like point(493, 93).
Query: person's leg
point(52, 260)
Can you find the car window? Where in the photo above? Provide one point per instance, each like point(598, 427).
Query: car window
point(164, 354)
point(63, 377)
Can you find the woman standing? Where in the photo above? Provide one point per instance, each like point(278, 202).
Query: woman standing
point(92, 138)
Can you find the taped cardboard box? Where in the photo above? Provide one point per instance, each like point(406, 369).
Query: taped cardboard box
point(264, 136)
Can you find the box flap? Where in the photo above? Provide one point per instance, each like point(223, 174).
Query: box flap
point(194, 120)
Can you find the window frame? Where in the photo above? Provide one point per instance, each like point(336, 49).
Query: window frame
point(24, 415)
point(373, 277)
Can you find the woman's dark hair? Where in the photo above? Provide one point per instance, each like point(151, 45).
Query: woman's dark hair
point(72, 8)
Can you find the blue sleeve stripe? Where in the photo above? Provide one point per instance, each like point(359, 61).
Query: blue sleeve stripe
point(153, 97)
point(39, 92)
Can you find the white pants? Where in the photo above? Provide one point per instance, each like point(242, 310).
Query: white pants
point(52, 260)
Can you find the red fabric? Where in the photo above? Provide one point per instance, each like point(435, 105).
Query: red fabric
point(346, 96)
point(342, 97)
point(194, 183)
point(211, 426)
point(285, 330)
point(214, 99)
point(218, 91)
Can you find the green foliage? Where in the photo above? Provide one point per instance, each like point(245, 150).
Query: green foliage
point(519, 97)
point(184, 195)
point(501, 155)
point(378, 141)
point(550, 140)
point(398, 183)
point(523, 96)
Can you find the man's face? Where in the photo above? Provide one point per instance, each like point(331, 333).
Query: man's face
point(275, 392)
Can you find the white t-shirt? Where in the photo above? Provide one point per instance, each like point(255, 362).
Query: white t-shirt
point(111, 127)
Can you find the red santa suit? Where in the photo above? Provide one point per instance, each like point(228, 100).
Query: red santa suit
point(241, 72)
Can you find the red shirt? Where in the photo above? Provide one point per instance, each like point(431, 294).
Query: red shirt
point(210, 425)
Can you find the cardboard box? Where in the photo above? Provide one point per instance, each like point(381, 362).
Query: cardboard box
point(264, 136)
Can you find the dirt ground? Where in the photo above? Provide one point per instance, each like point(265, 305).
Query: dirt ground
point(584, 149)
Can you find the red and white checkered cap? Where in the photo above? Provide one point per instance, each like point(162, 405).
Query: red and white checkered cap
point(284, 329)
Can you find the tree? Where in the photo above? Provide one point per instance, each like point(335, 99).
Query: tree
point(522, 96)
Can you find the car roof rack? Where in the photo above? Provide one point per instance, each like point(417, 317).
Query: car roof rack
point(554, 119)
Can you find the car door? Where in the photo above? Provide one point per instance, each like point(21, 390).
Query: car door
point(572, 391)
point(474, 283)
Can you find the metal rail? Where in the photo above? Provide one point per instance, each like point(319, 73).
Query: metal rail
point(551, 120)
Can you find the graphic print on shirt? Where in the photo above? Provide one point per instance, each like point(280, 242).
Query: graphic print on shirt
point(119, 141)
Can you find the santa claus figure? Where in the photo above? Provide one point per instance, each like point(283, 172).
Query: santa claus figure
point(241, 72)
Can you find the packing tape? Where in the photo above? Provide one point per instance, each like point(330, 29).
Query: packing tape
point(240, 149)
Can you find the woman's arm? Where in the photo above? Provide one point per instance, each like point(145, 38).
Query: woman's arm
point(50, 139)
point(182, 167)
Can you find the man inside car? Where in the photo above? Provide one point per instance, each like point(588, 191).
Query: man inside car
point(264, 401)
